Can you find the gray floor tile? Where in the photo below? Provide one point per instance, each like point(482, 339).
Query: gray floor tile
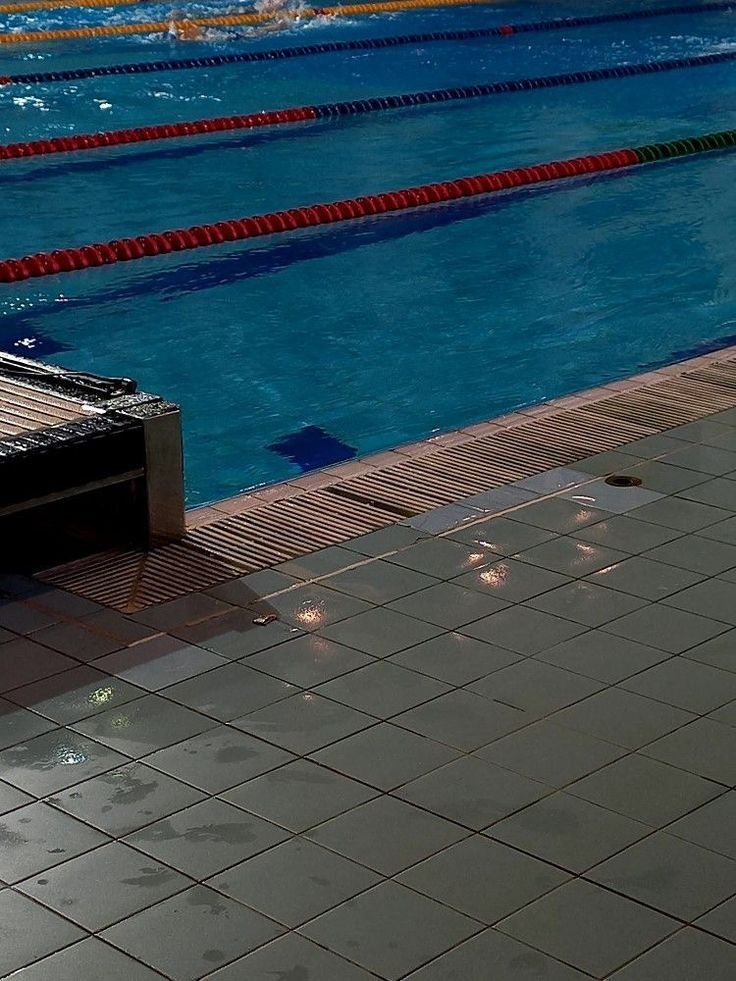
point(569, 832)
point(571, 557)
point(626, 534)
point(104, 886)
point(645, 789)
point(384, 540)
point(713, 598)
point(22, 618)
point(314, 606)
point(603, 464)
point(553, 480)
point(606, 497)
point(655, 446)
point(681, 515)
point(37, 837)
point(30, 931)
point(705, 459)
point(322, 563)
point(17, 724)
point(381, 632)
point(665, 477)
point(719, 492)
point(535, 687)
point(502, 536)
point(597, 654)
point(76, 640)
point(235, 635)
point(154, 664)
point(68, 604)
point(308, 660)
point(295, 881)
point(448, 605)
point(382, 689)
point(443, 519)
point(303, 723)
point(386, 835)
point(622, 717)
point(722, 531)
point(695, 687)
point(299, 795)
point(523, 630)
point(463, 720)
point(701, 431)
point(291, 956)
point(550, 753)
point(231, 690)
point(193, 933)
point(722, 920)
point(182, 611)
point(455, 658)
point(23, 661)
point(472, 792)
point(126, 798)
point(11, 798)
point(511, 580)
point(711, 825)
point(55, 760)
point(512, 961)
point(670, 874)
point(482, 878)
point(218, 759)
point(562, 517)
point(385, 756)
point(730, 574)
point(726, 714)
point(704, 747)
point(206, 838)
point(680, 958)
point(589, 927)
point(121, 628)
point(75, 694)
point(643, 577)
point(587, 602)
point(144, 725)
point(499, 499)
point(390, 930)
point(665, 627)
point(248, 589)
point(698, 554)
point(379, 582)
point(443, 558)
point(89, 960)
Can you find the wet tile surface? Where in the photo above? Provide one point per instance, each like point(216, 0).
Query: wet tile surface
point(486, 709)
point(131, 882)
point(295, 881)
point(193, 933)
point(390, 930)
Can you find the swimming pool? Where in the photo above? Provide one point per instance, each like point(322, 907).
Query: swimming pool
point(383, 331)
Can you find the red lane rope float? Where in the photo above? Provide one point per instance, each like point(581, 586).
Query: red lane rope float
point(300, 114)
point(310, 216)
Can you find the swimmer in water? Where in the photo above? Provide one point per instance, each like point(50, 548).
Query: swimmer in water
point(181, 29)
point(278, 14)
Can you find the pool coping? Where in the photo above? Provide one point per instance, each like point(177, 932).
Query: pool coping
point(435, 484)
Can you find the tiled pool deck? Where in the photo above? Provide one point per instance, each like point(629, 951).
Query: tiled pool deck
point(461, 748)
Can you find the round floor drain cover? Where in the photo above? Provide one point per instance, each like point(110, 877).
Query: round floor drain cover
point(623, 480)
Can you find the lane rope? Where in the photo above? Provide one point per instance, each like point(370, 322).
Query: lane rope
point(329, 47)
point(300, 114)
point(233, 20)
point(27, 6)
point(310, 216)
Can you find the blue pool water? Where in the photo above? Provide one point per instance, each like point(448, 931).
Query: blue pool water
point(387, 330)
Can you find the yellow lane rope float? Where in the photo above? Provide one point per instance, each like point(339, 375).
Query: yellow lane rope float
point(227, 20)
point(28, 6)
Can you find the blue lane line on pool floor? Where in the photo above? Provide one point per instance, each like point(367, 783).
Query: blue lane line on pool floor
point(312, 448)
